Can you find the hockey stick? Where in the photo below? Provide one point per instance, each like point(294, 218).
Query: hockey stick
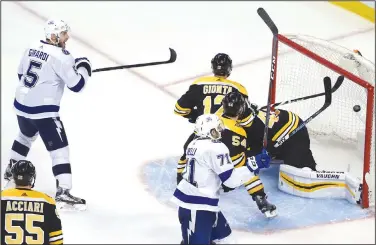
point(328, 101)
point(171, 60)
point(334, 88)
point(269, 22)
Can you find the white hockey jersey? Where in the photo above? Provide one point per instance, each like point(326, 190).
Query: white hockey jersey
point(43, 72)
point(208, 166)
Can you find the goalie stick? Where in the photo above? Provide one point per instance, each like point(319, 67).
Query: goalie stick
point(334, 88)
point(328, 101)
point(171, 60)
point(268, 21)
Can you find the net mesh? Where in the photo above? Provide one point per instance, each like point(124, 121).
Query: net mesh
point(299, 75)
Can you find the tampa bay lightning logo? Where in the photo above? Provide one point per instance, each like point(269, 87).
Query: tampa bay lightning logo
point(65, 51)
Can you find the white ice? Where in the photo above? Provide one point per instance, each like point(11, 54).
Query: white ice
point(121, 122)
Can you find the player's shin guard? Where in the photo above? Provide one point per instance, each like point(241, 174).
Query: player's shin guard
point(63, 174)
point(61, 167)
point(255, 188)
point(21, 146)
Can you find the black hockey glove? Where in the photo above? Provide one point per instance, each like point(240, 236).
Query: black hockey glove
point(227, 189)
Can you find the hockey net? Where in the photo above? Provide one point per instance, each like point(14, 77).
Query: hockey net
point(302, 63)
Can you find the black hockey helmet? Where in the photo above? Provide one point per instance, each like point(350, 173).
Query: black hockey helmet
point(234, 104)
point(24, 173)
point(221, 65)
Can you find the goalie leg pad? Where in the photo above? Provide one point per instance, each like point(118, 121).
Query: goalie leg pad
point(318, 184)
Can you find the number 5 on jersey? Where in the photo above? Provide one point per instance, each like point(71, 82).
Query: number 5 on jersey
point(31, 77)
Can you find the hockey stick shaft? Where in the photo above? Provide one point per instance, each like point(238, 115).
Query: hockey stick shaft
point(171, 60)
point(328, 101)
point(334, 88)
point(269, 22)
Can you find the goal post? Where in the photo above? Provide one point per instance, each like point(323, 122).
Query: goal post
point(302, 62)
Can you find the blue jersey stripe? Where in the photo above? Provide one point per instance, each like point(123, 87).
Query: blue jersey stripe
point(36, 109)
point(195, 199)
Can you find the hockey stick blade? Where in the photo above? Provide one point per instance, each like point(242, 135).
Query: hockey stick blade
point(172, 59)
point(328, 101)
point(268, 21)
point(334, 88)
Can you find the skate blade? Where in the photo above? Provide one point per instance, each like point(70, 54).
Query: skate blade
point(271, 214)
point(61, 206)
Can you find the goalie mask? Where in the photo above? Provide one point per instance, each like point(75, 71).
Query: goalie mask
point(24, 173)
point(209, 126)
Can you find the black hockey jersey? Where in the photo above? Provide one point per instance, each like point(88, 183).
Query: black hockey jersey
point(281, 123)
point(235, 138)
point(29, 217)
point(205, 96)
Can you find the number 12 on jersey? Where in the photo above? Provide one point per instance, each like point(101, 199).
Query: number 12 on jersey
point(189, 171)
point(209, 107)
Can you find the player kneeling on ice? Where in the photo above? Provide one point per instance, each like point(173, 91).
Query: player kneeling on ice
point(208, 167)
point(45, 69)
point(298, 174)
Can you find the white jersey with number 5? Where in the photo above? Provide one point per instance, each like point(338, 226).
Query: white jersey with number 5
point(208, 166)
point(43, 72)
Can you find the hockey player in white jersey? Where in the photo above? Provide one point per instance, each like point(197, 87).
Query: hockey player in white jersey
point(45, 69)
point(197, 195)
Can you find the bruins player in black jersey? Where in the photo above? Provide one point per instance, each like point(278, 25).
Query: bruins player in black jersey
point(28, 216)
point(205, 96)
point(235, 138)
point(295, 151)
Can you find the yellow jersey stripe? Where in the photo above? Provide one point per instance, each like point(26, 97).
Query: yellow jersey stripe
point(180, 170)
point(177, 106)
point(180, 114)
point(256, 189)
point(182, 161)
point(56, 233)
point(57, 242)
point(295, 124)
point(247, 122)
point(27, 194)
point(251, 180)
point(283, 129)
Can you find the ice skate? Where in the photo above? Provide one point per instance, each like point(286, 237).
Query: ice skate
point(66, 201)
point(268, 209)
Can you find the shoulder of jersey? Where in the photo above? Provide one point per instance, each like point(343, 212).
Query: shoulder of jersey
point(233, 126)
point(212, 79)
point(13, 192)
point(56, 52)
